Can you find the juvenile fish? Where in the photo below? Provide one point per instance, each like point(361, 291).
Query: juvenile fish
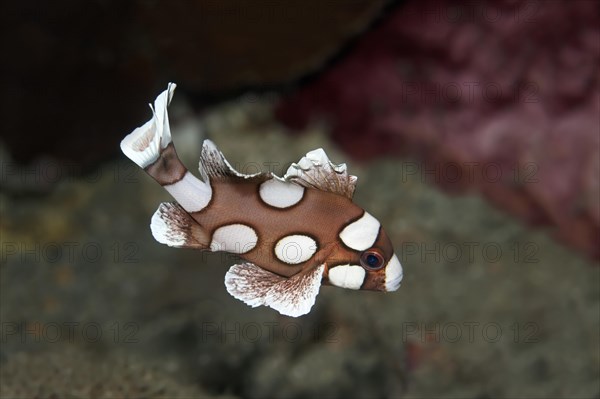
point(294, 233)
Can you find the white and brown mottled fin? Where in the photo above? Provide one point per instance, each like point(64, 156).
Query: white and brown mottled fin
point(315, 170)
point(214, 165)
point(256, 286)
point(144, 144)
point(173, 226)
point(150, 147)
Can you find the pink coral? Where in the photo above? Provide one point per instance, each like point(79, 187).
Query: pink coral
point(510, 84)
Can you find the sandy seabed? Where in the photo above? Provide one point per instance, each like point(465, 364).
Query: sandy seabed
point(92, 307)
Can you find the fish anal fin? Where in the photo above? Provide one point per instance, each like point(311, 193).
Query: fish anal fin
point(293, 296)
point(173, 226)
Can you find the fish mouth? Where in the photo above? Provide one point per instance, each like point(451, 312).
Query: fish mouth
point(393, 274)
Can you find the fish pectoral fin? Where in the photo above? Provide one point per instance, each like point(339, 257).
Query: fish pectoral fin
point(173, 226)
point(255, 286)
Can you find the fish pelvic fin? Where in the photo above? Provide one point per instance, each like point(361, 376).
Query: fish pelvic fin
point(173, 226)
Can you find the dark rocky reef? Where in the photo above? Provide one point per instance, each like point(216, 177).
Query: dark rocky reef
point(75, 73)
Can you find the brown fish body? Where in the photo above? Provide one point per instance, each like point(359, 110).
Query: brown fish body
point(320, 215)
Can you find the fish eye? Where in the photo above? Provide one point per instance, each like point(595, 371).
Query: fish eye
point(371, 260)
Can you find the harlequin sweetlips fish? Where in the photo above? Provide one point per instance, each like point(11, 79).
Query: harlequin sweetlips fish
point(294, 233)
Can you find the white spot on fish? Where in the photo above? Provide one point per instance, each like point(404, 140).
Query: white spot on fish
point(361, 234)
point(234, 238)
point(347, 276)
point(295, 249)
point(280, 194)
point(191, 193)
point(393, 274)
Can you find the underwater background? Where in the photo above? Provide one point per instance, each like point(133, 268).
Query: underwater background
point(473, 128)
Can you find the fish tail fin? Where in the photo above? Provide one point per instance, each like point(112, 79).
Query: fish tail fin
point(145, 144)
point(150, 146)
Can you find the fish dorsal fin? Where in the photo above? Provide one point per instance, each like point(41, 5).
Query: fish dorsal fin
point(315, 170)
point(213, 164)
point(256, 286)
